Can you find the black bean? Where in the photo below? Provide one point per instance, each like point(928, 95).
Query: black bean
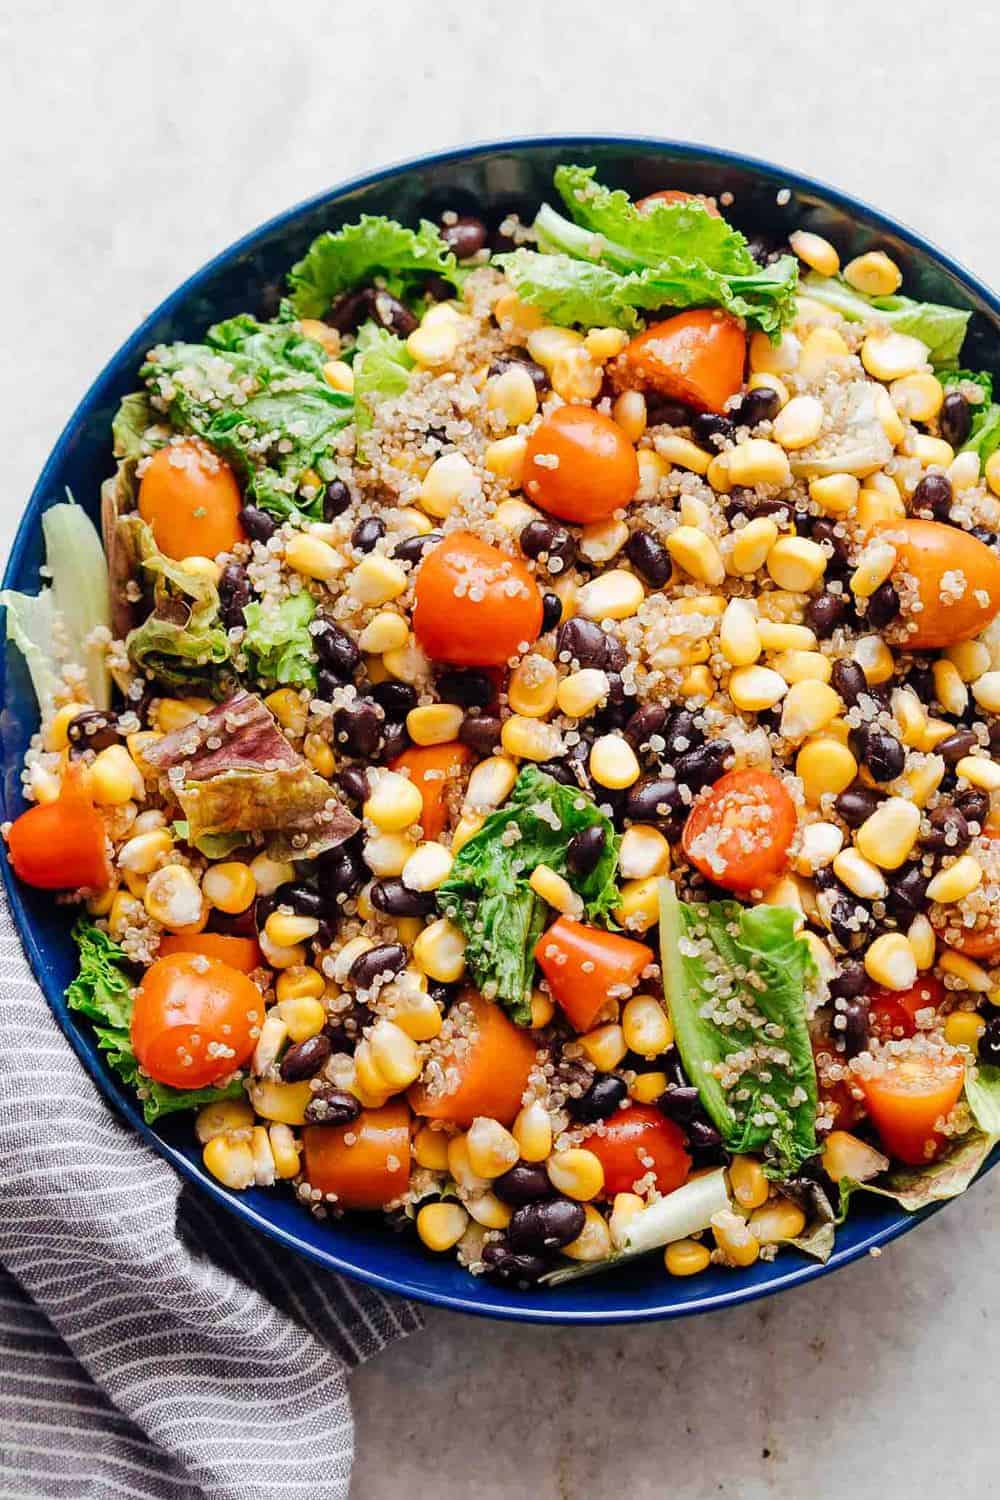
point(470, 689)
point(539, 377)
point(700, 767)
point(337, 651)
point(825, 612)
point(602, 1099)
point(345, 1029)
point(989, 1042)
point(234, 594)
point(949, 832)
point(525, 1183)
point(881, 754)
point(756, 406)
point(384, 958)
point(583, 641)
point(480, 733)
point(653, 799)
point(549, 540)
point(649, 558)
point(92, 730)
point(956, 746)
point(559, 770)
point(662, 412)
point(851, 923)
point(330, 1106)
point(680, 1103)
point(504, 1266)
point(395, 699)
point(585, 850)
point(336, 499)
point(920, 678)
point(395, 740)
point(303, 899)
point(615, 655)
point(955, 418)
point(974, 806)
point(353, 782)
point(412, 548)
point(985, 535)
point(358, 728)
point(366, 533)
point(932, 497)
point(905, 898)
point(855, 1032)
point(342, 871)
point(397, 900)
point(644, 724)
point(304, 1059)
point(856, 804)
point(545, 1225)
point(830, 535)
point(257, 524)
point(883, 606)
point(464, 236)
point(851, 980)
point(552, 608)
point(350, 309)
point(848, 679)
point(681, 733)
point(703, 1136)
point(390, 313)
point(708, 428)
point(671, 1064)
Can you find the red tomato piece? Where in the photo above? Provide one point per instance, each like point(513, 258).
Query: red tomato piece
point(696, 357)
point(586, 967)
point(434, 769)
point(241, 953)
point(195, 1020)
point(365, 1163)
point(892, 1014)
point(636, 1141)
point(739, 831)
point(473, 604)
point(579, 465)
point(62, 845)
point(488, 1068)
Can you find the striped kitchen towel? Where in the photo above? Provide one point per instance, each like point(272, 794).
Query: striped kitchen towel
point(149, 1344)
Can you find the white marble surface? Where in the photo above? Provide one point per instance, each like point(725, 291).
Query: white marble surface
point(141, 138)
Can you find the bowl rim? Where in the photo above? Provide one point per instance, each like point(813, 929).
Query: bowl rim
point(529, 1311)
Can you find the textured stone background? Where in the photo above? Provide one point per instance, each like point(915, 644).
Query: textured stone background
point(140, 139)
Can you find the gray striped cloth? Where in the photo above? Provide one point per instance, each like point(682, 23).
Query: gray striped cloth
point(149, 1344)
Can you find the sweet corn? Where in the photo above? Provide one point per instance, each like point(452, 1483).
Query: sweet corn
point(280, 956)
point(289, 710)
point(775, 359)
point(542, 1009)
point(339, 375)
point(889, 356)
point(56, 732)
point(313, 558)
point(623, 1211)
point(273, 1036)
point(860, 875)
point(646, 1026)
point(434, 343)
point(970, 975)
point(957, 881)
point(532, 1130)
point(615, 595)
point(796, 564)
point(639, 904)
point(491, 783)
point(298, 991)
point(922, 939)
point(647, 1087)
point(593, 1243)
point(613, 762)
point(819, 846)
point(284, 1103)
point(229, 887)
point(516, 317)
point(749, 1185)
point(286, 929)
point(682, 453)
point(604, 1046)
point(45, 785)
point(822, 349)
point(439, 952)
point(698, 683)
point(717, 474)
point(581, 692)
point(394, 803)
point(874, 566)
point(530, 739)
point(739, 638)
point(891, 963)
point(492, 1149)
point(836, 494)
point(874, 658)
point(652, 469)
point(963, 471)
point(758, 462)
point(142, 853)
point(697, 554)
point(430, 1149)
point(269, 873)
point(604, 343)
point(556, 891)
point(917, 397)
point(384, 632)
point(450, 480)
point(173, 897)
point(963, 1028)
point(427, 867)
point(799, 423)
point(971, 660)
point(686, 1258)
point(468, 825)
point(224, 1115)
point(807, 708)
point(505, 459)
point(752, 544)
point(440, 1226)
point(887, 838)
point(178, 713)
point(736, 1245)
point(602, 540)
point(874, 274)
point(992, 472)
point(986, 691)
point(434, 724)
point(576, 1172)
point(816, 252)
point(284, 1151)
point(408, 664)
point(629, 411)
point(532, 687)
point(394, 1054)
point(386, 854)
point(777, 1221)
point(511, 396)
point(460, 1166)
point(932, 452)
point(753, 689)
point(643, 852)
point(230, 1160)
point(949, 689)
point(115, 778)
point(803, 666)
point(575, 376)
point(979, 771)
point(377, 579)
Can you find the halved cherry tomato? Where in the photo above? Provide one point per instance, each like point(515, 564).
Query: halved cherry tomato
point(636, 1141)
point(738, 833)
point(975, 942)
point(62, 845)
point(696, 357)
point(907, 1099)
point(473, 604)
point(677, 195)
point(190, 498)
point(953, 608)
point(579, 465)
point(434, 769)
point(892, 1013)
point(586, 967)
point(835, 1097)
point(489, 1067)
point(366, 1163)
point(195, 1019)
point(238, 952)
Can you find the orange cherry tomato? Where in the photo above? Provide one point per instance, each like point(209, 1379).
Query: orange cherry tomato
point(835, 1097)
point(892, 1014)
point(737, 834)
point(62, 845)
point(586, 967)
point(238, 952)
point(195, 1019)
point(906, 1101)
point(597, 471)
point(473, 604)
point(930, 551)
point(975, 942)
point(488, 1068)
point(636, 1141)
point(366, 1163)
point(190, 498)
point(677, 195)
point(434, 769)
point(696, 357)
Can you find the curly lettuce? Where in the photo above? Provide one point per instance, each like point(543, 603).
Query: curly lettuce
point(941, 328)
point(984, 437)
point(355, 255)
point(278, 644)
point(381, 371)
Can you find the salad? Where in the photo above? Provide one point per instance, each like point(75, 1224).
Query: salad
point(525, 754)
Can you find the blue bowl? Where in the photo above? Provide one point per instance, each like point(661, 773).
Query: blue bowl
point(511, 176)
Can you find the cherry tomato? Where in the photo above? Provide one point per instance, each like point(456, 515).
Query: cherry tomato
point(907, 1099)
point(238, 952)
point(366, 1163)
point(473, 604)
point(597, 471)
point(435, 770)
point(696, 357)
point(62, 845)
point(586, 967)
point(677, 195)
point(195, 1020)
point(957, 578)
point(738, 832)
point(636, 1141)
point(487, 1069)
point(835, 1097)
point(191, 500)
point(975, 942)
point(892, 1014)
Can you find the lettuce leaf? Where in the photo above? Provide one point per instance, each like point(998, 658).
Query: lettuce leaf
point(915, 1188)
point(102, 990)
point(984, 437)
point(381, 370)
point(941, 328)
point(982, 1094)
point(278, 643)
point(182, 641)
point(487, 894)
point(354, 255)
point(724, 1020)
point(130, 424)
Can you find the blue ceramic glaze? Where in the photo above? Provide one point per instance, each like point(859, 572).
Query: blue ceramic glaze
point(512, 176)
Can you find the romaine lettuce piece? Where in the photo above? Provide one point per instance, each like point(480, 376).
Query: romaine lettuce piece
point(354, 255)
point(278, 644)
point(381, 371)
point(941, 328)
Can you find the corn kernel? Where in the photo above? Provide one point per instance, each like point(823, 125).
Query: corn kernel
point(756, 688)
point(957, 881)
point(647, 1087)
point(440, 1226)
point(142, 853)
point(778, 1221)
point(887, 837)
point(623, 1211)
point(269, 873)
point(917, 397)
point(230, 1160)
point(284, 1103)
point(758, 461)
point(890, 962)
point(822, 349)
point(807, 708)
point(615, 595)
point(652, 469)
point(581, 692)
point(600, 541)
point(836, 494)
point(467, 826)
point(613, 762)
point(339, 375)
point(826, 768)
point(874, 274)
point(434, 723)
point(739, 638)
point(874, 658)
point(575, 376)
point(439, 952)
point(434, 343)
point(288, 708)
point(803, 666)
point(505, 459)
point(736, 1245)
point(971, 976)
point(491, 783)
point(796, 564)
point(747, 1180)
point(629, 411)
point(273, 1036)
point(765, 380)
point(964, 471)
point(394, 803)
point(377, 579)
point(576, 1172)
point(286, 929)
point(173, 897)
point(682, 453)
point(931, 452)
point(643, 852)
point(177, 713)
point(697, 554)
point(593, 1243)
point(646, 1026)
point(313, 558)
point(511, 395)
point(232, 1115)
point(889, 356)
point(532, 687)
point(299, 991)
point(860, 875)
point(799, 423)
point(532, 1130)
point(686, 1258)
point(604, 343)
point(115, 778)
point(530, 739)
point(554, 889)
point(492, 1149)
point(992, 472)
point(639, 904)
point(922, 939)
point(986, 690)
point(604, 1046)
point(775, 359)
point(815, 251)
point(979, 771)
point(430, 1149)
point(874, 566)
point(752, 544)
point(384, 632)
point(963, 1028)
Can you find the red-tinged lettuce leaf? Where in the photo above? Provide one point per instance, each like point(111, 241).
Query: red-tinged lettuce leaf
point(242, 776)
point(915, 1188)
point(182, 641)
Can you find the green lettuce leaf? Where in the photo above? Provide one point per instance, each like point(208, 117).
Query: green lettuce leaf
point(487, 893)
point(982, 378)
point(278, 643)
point(982, 1094)
point(130, 424)
point(984, 437)
point(941, 328)
point(354, 255)
point(724, 1019)
point(102, 990)
point(381, 370)
point(182, 641)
